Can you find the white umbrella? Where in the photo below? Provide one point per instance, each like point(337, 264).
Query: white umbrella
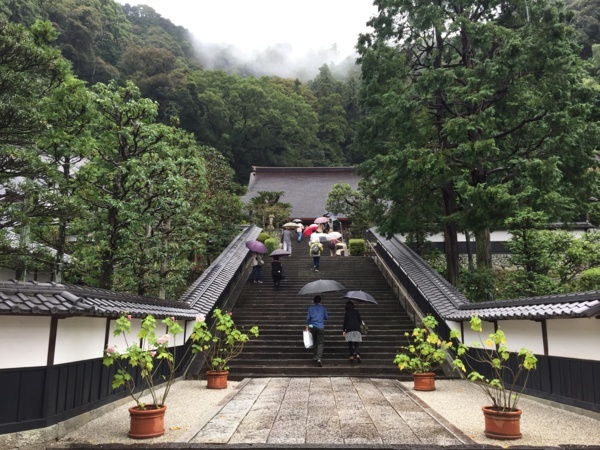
point(334, 235)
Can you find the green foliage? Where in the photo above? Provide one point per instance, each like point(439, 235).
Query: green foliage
point(266, 205)
point(271, 243)
point(254, 122)
point(546, 261)
point(357, 247)
point(468, 120)
point(427, 352)
point(342, 199)
point(502, 387)
point(227, 341)
point(263, 236)
point(138, 186)
point(150, 353)
point(30, 69)
point(478, 285)
point(589, 280)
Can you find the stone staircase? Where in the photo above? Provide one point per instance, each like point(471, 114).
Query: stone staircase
point(281, 315)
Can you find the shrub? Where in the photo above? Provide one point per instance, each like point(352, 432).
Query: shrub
point(272, 244)
point(356, 247)
point(590, 280)
point(262, 237)
point(478, 285)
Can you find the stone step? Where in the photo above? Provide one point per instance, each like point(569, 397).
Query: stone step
point(281, 314)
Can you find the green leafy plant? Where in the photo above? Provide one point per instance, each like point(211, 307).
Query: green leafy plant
point(427, 352)
point(357, 247)
point(263, 236)
point(590, 280)
point(150, 353)
point(502, 388)
point(272, 244)
point(227, 342)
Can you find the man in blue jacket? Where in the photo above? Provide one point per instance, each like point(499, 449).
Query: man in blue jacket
point(315, 323)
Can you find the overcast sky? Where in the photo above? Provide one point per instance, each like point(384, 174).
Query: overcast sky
point(308, 26)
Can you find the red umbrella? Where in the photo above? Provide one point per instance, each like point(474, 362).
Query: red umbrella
point(310, 229)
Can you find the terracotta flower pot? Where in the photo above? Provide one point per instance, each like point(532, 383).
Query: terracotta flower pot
point(424, 381)
point(216, 379)
point(503, 425)
point(147, 423)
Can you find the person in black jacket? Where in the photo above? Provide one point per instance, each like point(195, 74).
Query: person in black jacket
point(351, 331)
point(276, 271)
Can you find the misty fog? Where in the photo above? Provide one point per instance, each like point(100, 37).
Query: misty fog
point(281, 60)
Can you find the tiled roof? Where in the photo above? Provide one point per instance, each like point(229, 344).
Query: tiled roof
point(32, 298)
point(305, 188)
point(205, 291)
point(452, 305)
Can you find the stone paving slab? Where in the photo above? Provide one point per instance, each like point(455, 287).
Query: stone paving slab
point(328, 411)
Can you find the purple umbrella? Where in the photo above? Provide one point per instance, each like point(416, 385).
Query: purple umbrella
point(257, 246)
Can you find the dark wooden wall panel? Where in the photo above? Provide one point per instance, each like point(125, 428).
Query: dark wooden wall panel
point(10, 386)
point(31, 394)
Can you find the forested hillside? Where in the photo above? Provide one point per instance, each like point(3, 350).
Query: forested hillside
point(285, 122)
point(462, 117)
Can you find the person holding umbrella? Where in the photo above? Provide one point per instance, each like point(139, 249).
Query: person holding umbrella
point(276, 271)
point(315, 323)
point(351, 331)
point(257, 263)
point(286, 239)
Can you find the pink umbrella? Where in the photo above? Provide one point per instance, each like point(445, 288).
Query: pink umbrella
point(321, 220)
point(310, 229)
point(257, 246)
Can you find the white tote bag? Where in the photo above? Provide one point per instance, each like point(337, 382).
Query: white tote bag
point(308, 340)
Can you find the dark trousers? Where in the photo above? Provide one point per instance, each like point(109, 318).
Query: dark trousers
point(353, 347)
point(256, 272)
point(318, 341)
point(316, 260)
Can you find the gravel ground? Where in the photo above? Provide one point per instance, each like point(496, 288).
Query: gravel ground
point(542, 423)
point(189, 406)
point(457, 401)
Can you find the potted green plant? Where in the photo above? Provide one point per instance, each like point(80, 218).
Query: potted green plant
point(157, 364)
point(226, 343)
point(425, 354)
point(503, 383)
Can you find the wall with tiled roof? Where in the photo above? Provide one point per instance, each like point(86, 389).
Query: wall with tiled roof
point(450, 304)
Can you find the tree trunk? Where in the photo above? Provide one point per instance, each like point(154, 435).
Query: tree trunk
point(469, 251)
point(451, 237)
point(484, 248)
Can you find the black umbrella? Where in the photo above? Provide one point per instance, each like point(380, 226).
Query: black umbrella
point(361, 296)
point(320, 286)
point(279, 252)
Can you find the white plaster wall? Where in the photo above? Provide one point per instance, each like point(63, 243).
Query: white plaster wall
point(574, 338)
point(523, 333)
point(25, 341)
point(122, 342)
point(79, 338)
point(471, 337)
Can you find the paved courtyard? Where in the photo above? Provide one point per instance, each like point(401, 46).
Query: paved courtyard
point(332, 411)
